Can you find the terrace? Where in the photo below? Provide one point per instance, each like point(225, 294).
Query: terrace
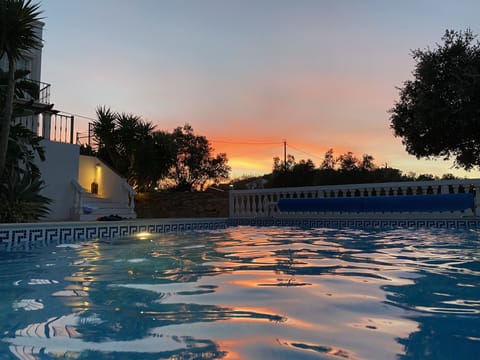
point(43, 120)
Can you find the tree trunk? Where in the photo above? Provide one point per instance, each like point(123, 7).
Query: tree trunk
point(6, 115)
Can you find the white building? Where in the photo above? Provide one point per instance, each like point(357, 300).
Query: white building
point(68, 175)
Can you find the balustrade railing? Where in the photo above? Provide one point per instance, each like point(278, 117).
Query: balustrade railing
point(263, 202)
point(76, 210)
point(58, 127)
point(130, 196)
point(44, 92)
point(50, 124)
point(34, 98)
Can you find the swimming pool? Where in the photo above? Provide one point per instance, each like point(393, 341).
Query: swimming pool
point(246, 293)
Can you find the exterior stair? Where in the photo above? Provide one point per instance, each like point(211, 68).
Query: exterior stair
point(109, 194)
point(95, 207)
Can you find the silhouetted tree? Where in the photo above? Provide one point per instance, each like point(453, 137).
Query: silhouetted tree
point(426, 177)
point(448, 177)
point(279, 165)
point(367, 163)
point(195, 166)
point(303, 173)
point(155, 156)
point(348, 162)
point(388, 174)
point(129, 145)
point(131, 133)
point(438, 113)
point(350, 171)
point(329, 161)
point(104, 133)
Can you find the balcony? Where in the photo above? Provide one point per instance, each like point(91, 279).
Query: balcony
point(39, 115)
point(44, 92)
point(37, 103)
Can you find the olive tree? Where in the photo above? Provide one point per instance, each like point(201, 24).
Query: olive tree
point(195, 165)
point(438, 112)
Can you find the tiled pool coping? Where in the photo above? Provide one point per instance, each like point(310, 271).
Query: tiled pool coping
point(388, 223)
point(26, 236)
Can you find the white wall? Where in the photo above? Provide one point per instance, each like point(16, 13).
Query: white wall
point(110, 184)
point(58, 170)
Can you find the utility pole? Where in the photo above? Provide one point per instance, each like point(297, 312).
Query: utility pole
point(285, 155)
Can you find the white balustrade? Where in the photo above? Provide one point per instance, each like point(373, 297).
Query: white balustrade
point(263, 202)
point(129, 196)
point(78, 198)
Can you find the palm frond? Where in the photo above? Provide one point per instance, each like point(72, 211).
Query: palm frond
point(18, 28)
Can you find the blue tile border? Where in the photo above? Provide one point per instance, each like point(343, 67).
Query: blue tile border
point(27, 236)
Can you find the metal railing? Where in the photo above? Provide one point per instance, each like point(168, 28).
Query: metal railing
point(87, 138)
point(53, 126)
point(44, 93)
point(50, 124)
point(43, 96)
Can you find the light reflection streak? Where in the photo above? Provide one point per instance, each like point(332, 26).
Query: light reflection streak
point(391, 326)
point(143, 235)
point(268, 282)
point(317, 348)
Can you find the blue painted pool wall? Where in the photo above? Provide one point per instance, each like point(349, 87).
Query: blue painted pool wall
point(387, 204)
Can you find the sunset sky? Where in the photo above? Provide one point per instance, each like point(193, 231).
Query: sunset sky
point(248, 74)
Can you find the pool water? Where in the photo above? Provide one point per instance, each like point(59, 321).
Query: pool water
point(246, 293)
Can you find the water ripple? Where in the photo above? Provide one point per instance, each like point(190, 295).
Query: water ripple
point(247, 293)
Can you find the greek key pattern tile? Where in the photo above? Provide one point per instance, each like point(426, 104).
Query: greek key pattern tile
point(24, 237)
point(361, 223)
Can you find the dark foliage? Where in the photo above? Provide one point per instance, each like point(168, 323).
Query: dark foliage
point(21, 184)
point(18, 37)
point(195, 166)
point(345, 169)
point(179, 161)
point(438, 113)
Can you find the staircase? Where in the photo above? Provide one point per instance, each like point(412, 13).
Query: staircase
point(90, 206)
point(95, 207)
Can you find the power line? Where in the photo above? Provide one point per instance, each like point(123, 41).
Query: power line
point(243, 152)
point(245, 142)
point(77, 115)
point(306, 153)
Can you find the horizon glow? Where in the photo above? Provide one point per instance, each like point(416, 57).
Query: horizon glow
point(320, 74)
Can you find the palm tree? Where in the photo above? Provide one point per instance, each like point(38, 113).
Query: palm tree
point(132, 130)
point(104, 133)
point(18, 36)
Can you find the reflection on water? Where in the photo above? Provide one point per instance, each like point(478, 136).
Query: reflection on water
point(246, 293)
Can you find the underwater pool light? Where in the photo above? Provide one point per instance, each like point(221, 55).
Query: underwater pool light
point(143, 235)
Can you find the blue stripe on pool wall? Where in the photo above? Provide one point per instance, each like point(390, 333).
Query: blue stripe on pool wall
point(384, 204)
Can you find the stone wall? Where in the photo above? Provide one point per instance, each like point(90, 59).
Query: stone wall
point(181, 205)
